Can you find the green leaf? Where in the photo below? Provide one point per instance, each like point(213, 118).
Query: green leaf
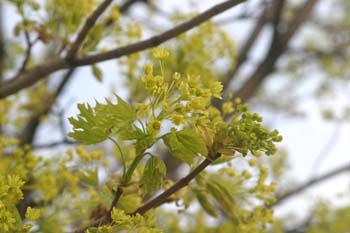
point(86, 128)
point(222, 195)
point(154, 173)
point(185, 144)
point(97, 73)
point(205, 203)
point(94, 125)
point(89, 176)
point(129, 203)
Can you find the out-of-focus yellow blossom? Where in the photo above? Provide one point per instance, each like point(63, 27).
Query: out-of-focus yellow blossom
point(160, 53)
point(227, 107)
point(33, 214)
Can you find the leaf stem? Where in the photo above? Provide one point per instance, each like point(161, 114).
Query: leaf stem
point(131, 169)
point(121, 154)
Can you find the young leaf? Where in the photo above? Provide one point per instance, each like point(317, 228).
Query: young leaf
point(115, 116)
point(89, 176)
point(222, 195)
point(129, 203)
point(86, 127)
point(94, 125)
point(97, 73)
point(153, 175)
point(185, 144)
point(205, 203)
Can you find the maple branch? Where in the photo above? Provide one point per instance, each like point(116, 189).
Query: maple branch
point(89, 23)
point(282, 197)
point(41, 71)
point(158, 39)
point(173, 189)
point(158, 200)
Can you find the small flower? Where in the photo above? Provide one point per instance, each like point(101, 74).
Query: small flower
point(258, 153)
point(197, 103)
point(142, 109)
point(154, 126)
point(176, 76)
point(227, 107)
point(238, 100)
point(160, 53)
point(193, 81)
point(246, 174)
point(216, 89)
point(177, 119)
point(115, 13)
point(165, 107)
point(119, 217)
point(148, 69)
point(32, 214)
point(153, 84)
point(184, 91)
point(252, 162)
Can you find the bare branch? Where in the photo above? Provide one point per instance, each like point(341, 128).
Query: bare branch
point(327, 148)
point(89, 23)
point(282, 197)
point(278, 45)
point(242, 54)
point(54, 144)
point(41, 71)
point(127, 4)
point(299, 19)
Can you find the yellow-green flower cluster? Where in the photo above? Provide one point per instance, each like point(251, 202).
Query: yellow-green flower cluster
point(178, 98)
point(153, 84)
point(33, 214)
point(137, 223)
point(160, 53)
point(72, 18)
point(10, 188)
point(10, 195)
point(86, 156)
point(245, 133)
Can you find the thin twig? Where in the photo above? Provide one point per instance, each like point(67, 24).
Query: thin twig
point(161, 38)
point(278, 45)
point(30, 45)
point(282, 197)
point(89, 23)
point(54, 144)
point(41, 71)
point(243, 53)
point(327, 148)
